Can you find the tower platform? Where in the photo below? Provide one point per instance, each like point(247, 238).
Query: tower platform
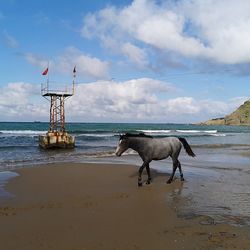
point(56, 140)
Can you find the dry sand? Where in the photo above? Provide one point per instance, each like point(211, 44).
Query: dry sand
point(90, 206)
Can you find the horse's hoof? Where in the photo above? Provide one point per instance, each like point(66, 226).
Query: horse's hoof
point(182, 179)
point(169, 181)
point(148, 182)
point(139, 184)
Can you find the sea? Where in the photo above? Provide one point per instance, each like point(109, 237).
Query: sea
point(217, 180)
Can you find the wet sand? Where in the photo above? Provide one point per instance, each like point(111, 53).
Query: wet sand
point(99, 206)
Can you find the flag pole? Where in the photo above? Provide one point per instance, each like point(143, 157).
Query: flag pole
point(48, 78)
point(74, 76)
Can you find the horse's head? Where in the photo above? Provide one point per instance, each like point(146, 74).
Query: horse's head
point(122, 146)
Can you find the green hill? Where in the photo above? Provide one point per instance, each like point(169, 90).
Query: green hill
point(240, 116)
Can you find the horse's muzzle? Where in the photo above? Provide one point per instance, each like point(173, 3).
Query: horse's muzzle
point(118, 154)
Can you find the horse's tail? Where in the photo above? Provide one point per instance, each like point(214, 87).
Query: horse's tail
point(187, 147)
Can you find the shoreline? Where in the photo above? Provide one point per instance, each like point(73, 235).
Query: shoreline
point(207, 180)
point(241, 151)
point(99, 206)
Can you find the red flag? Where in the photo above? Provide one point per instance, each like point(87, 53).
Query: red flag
point(74, 70)
point(45, 72)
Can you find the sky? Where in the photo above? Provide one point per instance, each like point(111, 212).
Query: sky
point(160, 61)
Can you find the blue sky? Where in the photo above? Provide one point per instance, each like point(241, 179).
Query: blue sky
point(137, 61)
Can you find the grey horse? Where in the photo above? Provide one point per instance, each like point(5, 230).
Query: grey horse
point(150, 148)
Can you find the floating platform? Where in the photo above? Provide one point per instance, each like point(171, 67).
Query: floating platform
point(56, 140)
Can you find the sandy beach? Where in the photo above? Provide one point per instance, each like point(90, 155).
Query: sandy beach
point(98, 206)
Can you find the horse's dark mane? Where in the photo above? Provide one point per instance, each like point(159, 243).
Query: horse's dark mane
point(136, 135)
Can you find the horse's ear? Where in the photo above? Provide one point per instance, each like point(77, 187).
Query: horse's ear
point(122, 136)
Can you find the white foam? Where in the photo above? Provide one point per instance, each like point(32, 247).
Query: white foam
point(218, 134)
point(6, 175)
point(97, 135)
point(210, 131)
point(188, 131)
point(22, 132)
point(154, 131)
point(197, 131)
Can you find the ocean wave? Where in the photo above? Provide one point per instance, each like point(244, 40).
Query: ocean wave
point(148, 131)
point(100, 154)
point(108, 153)
point(15, 147)
point(210, 131)
point(197, 131)
point(177, 132)
point(93, 138)
point(96, 135)
point(91, 131)
point(219, 135)
point(221, 145)
point(22, 132)
point(187, 131)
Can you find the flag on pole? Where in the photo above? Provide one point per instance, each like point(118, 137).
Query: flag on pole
point(74, 70)
point(45, 72)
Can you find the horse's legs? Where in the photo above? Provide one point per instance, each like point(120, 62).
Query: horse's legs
point(175, 165)
point(148, 172)
point(180, 170)
point(140, 173)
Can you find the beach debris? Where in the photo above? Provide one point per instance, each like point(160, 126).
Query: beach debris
point(208, 221)
point(7, 211)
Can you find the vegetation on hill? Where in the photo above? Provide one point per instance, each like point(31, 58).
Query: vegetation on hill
point(240, 116)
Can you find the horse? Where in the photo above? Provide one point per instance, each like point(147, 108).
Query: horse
point(150, 148)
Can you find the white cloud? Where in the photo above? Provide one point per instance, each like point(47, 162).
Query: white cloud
point(135, 54)
point(137, 100)
point(110, 100)
point(137, 91)
point(182, 105)
point(16, 94)
point(223, 26)
point(214, 30)
point(140, 100)
point(86, 65)
point(36, 60)
point(17, 104)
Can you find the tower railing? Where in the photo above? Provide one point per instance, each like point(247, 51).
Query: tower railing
point(59, 90)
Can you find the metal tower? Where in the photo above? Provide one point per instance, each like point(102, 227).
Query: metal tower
point(57, 137)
